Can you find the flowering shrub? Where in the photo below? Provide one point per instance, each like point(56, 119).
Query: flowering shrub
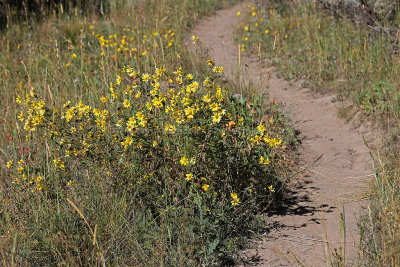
point(169, 138)
point(153, 129)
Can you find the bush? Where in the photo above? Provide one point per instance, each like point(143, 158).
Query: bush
point(183, 165)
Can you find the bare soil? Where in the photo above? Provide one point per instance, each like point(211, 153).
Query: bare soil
point(333, 156)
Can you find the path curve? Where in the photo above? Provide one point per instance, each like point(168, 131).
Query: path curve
point(333, 154)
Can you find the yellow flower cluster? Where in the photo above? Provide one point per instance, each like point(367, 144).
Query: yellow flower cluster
point(185, 161)
point(235, 200)
point(264, 161)
point(254, 24)
point(58, 163)
point(80, 111)
point(130, 43)
point(34, 183)
point(263, 138)
point(35, 111)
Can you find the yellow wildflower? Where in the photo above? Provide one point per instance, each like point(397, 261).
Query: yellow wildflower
point(271, 188)
point(207, 98)
point(214, 107)
point(67, 104)
point(272, 142)
point(149, 106)
point(189, 177)
point(58, 163)
point(264, 161)
point(189, 77)
point(119, 123)
point(205, 187)
point(126, 103)
point(104, 99)
point(216, 118)
point(146, 77)
point(21, 116)
point(128, 141)
point(195, 39)
point(184, 161)
point(261, 128)
point(235, 200)
point(9, 164)
point(278, 141)
point(170, 128)
point(189, 113)
point(143, 123)
point(20, 169)
point(153, 92)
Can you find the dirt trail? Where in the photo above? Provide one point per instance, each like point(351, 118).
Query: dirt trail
point(333, 155)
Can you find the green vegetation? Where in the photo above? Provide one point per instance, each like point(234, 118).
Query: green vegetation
point(334, 55)
point(356, 62)
point(14, 12)
point(118, 148)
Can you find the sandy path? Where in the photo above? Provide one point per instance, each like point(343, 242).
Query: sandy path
point(332, 153)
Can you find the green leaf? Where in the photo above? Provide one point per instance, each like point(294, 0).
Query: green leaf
point(212, 246)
